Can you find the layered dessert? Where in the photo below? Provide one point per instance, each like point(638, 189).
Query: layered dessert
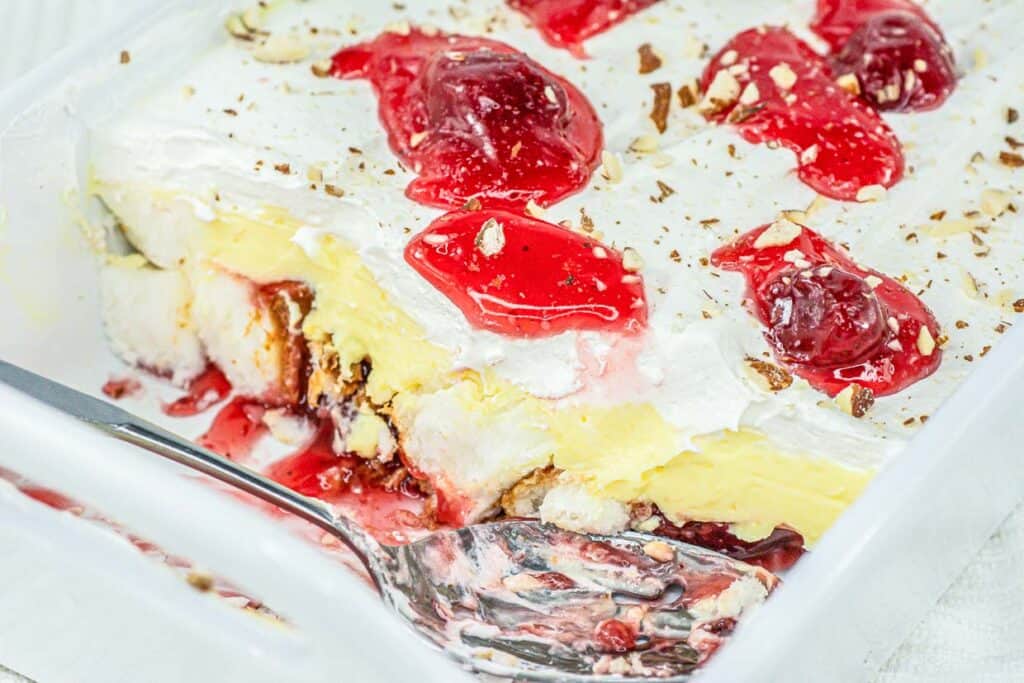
point(652, 265)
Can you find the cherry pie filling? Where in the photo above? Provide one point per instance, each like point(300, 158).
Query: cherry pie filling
point(522, 277)
point(829, 320)
point(477, 120)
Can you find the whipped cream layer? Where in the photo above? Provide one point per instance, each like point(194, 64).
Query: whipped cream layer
point(234, 135)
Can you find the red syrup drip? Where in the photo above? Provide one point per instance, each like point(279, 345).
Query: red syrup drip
point(901, 63)
point(124, 387)
point(841, 143)
point(568, 23)
point(826, 322)
point(476, 119)
point(543, 281)
point(205, 391)
point(365, 489)
point(236, 429)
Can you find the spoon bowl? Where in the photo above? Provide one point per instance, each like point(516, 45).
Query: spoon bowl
point(516, 598)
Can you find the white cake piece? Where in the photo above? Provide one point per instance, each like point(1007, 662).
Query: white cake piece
point(146, 314)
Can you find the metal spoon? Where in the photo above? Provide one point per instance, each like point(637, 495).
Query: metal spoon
point(516, 598)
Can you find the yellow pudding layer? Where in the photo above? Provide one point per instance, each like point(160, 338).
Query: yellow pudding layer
point(627, 453)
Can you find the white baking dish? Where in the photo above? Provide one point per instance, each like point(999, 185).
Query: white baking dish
point(78, 603)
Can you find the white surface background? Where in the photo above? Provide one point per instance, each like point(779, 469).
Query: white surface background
point(975, 633)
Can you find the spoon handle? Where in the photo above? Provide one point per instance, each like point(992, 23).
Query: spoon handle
point(164, 443)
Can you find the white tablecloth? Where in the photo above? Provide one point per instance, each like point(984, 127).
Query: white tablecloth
point(975, 633)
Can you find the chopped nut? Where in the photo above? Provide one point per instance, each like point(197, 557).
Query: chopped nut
point(402, 28)
point(649, 60)
point(778, 234)
point(239, 26)
point(925, 341)
point(533, 209)
point(1012, 115)
point(323, 68)
point(491, 238)
point(783, 75)
point(660, 551)
point(416, 138)
point(1018, 306)
point(611, 167)
point(855, 400)
point(775, 377)
point(750, 94)
point(871, 193)
point(665, 191)
point(284, 169)
point(809, 155)
point(994, 202)
point(281, 48)
point(689, 94)
point(334, 190)
point(126, 57)
point(472, 204)
point(722, 93)
point(1011, 159)
point(645, 144)
point(631, 260)
point(661, 106)
point(315, 173)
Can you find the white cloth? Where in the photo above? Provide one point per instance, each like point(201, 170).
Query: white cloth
point(975, 632)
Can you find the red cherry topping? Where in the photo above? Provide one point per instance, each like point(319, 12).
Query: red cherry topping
point(612, 635)
point(836, 20)
point(567, 23)
point(842, 144)
point(523, 277)
point(901, 62)
point(831, 321)
point(477, 119)
point(823, 317)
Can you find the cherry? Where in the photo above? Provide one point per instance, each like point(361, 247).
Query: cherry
point(568, 23)
point(523, 277)
point(612, 635)
point(901, 62)
point(842, 144)
point(836, 20)
point(831, 321)
point(477, 120)
point(823, 317)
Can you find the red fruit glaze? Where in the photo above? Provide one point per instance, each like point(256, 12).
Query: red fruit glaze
point(477, 119)
point(544, 280)
point(206, 390)
point(901, 62)
point(826, 322)
point(567, 23)
point(836, 20)
point(614, 636)
point(125, 387)
point(842, 145)
point(778, 552)
point(236, 430)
